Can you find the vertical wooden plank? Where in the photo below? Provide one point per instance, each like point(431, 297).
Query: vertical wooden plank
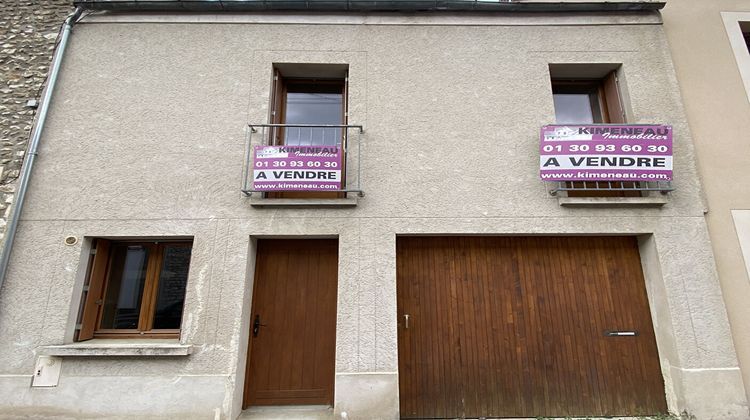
point(490, 300)
point(304, 287)
point(516, 330)
point(565, 291)
point(521, 342)
point(456, 348)
point(468, 347)
point(438, 272)
point(461, 346)
point(557, 321)
point(273, 316)
point(595, 288)
point(597, 303)
point(486, 392)
point(423, 335)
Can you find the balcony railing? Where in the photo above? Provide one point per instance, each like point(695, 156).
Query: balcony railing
point(661, 186)
point(345, 136)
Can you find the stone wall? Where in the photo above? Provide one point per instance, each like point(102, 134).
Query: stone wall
point(28, 33)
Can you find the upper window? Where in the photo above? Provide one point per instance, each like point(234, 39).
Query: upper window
point(312, 95)
point(313, 102)
point(135, 289)
point(307, 99)
point(587, 101)
point(577, 102)
point(590, 100)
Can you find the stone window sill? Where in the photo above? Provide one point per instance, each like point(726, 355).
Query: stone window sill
point(303, 202)
point(118, 347)
point(656, 201)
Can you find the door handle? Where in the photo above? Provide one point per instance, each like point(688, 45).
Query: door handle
point(609, 333)
point(257, 325)
point(406, 321)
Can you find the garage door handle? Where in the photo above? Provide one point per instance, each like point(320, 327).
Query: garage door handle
point(620, 333)
point(406, 321)
point(257, 325)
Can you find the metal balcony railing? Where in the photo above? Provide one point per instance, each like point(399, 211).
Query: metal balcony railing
point(660, 186)
point(345, 136)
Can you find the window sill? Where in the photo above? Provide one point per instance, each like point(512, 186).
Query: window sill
point(303, 202)
point(612, 201)
point(118, 347)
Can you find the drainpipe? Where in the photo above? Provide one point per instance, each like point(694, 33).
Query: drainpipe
point(28, 165)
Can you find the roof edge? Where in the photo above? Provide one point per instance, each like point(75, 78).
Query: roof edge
point(489, 6)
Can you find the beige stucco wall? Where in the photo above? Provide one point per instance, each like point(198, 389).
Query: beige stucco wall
point(146, 137)
point(718, 112)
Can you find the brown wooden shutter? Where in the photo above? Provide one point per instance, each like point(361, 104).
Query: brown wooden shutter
point(96, 290)
point(615, 106)
point(151, 287)
point(277, 100)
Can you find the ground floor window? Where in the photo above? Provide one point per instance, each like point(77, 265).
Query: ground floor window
point(135, 289)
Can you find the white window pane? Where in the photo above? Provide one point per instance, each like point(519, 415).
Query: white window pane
point(573, 108)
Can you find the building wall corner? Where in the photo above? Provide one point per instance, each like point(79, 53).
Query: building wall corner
point(366, 396)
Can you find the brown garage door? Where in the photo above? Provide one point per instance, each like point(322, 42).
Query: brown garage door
point(516, 327)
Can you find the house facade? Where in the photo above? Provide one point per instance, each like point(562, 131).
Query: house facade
point(252, 205)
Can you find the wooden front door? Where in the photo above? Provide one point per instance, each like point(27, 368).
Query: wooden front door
point(291, 354)
point(517, 327)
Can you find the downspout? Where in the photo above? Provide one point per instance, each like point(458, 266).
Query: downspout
point(28, 165)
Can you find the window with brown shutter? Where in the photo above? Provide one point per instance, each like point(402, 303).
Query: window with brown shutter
point(591, 101)
point(135, 289)
point(318, 99)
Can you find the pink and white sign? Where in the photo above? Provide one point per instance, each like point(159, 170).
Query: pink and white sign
point(603, 152)
point(297, 168)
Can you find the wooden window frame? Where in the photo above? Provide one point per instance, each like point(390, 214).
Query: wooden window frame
point(607, 108)
point(281, 89)
point(98, 278)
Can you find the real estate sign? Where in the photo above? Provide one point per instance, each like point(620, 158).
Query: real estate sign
point(603, 152)
point(297, 168)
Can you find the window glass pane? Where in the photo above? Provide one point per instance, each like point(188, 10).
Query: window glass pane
point(172, 281)
point(573, 108)
point(313, 108)
point(122, 300)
